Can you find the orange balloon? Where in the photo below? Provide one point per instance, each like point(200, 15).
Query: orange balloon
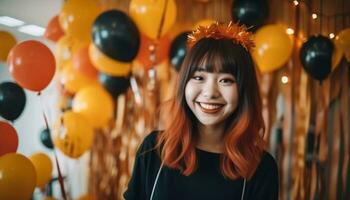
point(77, 17)
point(273, 47)
point(7, 42)
point(96, 104)
point(43, 167)
point(73, 80)
point(8, 138)
point(66, 47)
point(107, 65)
point(160, 47)
point(54, 30)
point(72, 134)
point(18, 177)
point(147, 15)
point(83, 64)
point(32, 65)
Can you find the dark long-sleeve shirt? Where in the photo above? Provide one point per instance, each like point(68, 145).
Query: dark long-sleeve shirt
point(207, 182)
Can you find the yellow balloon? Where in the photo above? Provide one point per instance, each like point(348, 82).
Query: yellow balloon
point(343, 40)
point(73, 80)
point(96, 104)
point(18, 177)
point(77, 17)
point(147, 15)
point(72, 134)
point(43, 167)
point(204, 22)
point(337, 54)
point(65, 48)
point(273, 47)
point(6, 44)
point(107, 65)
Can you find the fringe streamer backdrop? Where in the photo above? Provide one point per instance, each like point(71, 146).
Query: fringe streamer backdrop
point(308, 135)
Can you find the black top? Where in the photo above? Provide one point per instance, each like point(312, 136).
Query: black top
point(207, 182)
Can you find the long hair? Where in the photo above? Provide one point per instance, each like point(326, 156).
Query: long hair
point(243, 137)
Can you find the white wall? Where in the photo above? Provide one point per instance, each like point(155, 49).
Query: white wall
point(31, 122)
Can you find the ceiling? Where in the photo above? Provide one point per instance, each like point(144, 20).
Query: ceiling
point(37, 12)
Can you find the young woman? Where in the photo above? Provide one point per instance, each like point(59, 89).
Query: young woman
point(212, 146)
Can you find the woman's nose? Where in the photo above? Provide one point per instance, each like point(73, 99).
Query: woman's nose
point(210, 90)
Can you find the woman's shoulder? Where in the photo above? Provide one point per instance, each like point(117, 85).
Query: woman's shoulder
point(268, 160)
point(149, 143)
point(267, 166)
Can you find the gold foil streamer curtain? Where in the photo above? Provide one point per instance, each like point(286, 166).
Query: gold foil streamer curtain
point(113, 157)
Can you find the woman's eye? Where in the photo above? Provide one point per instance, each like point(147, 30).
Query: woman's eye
point(227, 81)
point(197, 78)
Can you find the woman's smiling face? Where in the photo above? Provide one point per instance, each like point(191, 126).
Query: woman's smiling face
point(211, 96)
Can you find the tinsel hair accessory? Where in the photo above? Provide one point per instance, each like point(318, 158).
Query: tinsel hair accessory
point(232, 31)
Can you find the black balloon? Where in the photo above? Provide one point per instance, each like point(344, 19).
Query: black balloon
point(251, 13)
point(45, 138)
point(178, 50)
point(12, 100)
point(113, 84)
point(116, 35)
point(316, 56)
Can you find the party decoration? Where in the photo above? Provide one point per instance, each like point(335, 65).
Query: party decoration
point(66, 47)
point(343, 39)
point(77, 17)
point(49, 198)
point(107, 65)
point(116, 35)
point(45, 138)
point(43, 168)
point(12, 100)
point(72, 134)
point(7, 42)
point(153, 52)
point(73, 81)
point(87, 197)
point(273, 47)
point(95, 104)
point(8, 138)
point(147, 14)
point(18, 177)
point(53, 30)
point(252, 13)
point(338, 54)
point(82, 63)
point(32, 65)
point(178, 50)
point(113, 84)
point(65, 103)
point(231, 31)
point(204, 22)
point(316, 56)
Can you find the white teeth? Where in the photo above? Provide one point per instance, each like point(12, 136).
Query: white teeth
point(209, 106)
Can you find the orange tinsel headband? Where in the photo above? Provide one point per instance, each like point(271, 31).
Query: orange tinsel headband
point(231, 31)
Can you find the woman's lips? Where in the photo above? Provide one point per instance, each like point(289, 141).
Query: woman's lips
point(210, 108)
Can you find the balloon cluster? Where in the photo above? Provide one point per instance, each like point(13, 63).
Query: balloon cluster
point(19, 174)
